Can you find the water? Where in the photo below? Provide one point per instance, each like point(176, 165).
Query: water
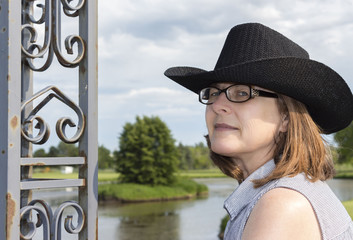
point(173, 220)
point(343, 188)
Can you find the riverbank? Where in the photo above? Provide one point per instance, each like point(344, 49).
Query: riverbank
point(183, 188)
point(344, 171)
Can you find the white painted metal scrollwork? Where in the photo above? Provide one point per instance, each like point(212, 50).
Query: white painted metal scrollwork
point(31, 227)
point(61, 124)
point(51, 223)
point(50, 17)
point(72, 11)
point(69, 227)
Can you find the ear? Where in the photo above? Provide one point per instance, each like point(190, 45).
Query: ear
point(284, 123)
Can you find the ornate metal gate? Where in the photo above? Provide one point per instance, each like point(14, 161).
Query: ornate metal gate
point(21, 126)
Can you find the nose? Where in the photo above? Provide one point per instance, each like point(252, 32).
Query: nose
point(222, 104)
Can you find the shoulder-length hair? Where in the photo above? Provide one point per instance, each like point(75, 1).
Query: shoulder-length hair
point(300, 150)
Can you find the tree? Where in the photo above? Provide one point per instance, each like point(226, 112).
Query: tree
point(200, 154)
point(53, 152)
point(344, 139)
point(105, 160)
point(67, 150)
point(194, 157)
point(147, 152)
point(40, 153)
point(62, 150)
point(186, 161)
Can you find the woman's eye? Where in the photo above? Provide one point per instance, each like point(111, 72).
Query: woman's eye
point(242, 93)
point(214, 93)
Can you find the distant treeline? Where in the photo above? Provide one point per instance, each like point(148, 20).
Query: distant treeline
point(190, 157)
point(194, 157)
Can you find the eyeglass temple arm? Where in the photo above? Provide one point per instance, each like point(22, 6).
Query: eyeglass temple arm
point(256, 92)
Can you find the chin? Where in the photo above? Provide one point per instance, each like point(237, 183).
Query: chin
point(223, 150)
point(225, 146)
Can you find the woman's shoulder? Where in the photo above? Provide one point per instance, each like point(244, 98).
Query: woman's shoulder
point(279, 214)
point(292, 203)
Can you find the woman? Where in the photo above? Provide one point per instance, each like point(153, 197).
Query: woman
point(266, 105)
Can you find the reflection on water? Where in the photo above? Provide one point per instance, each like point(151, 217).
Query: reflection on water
point(143, 220)
point(174, 220)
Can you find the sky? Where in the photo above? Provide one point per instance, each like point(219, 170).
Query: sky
point(138, 40)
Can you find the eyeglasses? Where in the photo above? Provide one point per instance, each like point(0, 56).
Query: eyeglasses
point(234, 93)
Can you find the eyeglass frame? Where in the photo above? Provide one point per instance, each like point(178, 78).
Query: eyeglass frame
point(253, 93)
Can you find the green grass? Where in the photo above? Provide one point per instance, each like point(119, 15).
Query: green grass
point(111, 176)
point(107, 176)
point(55, 175)
point(103, 176)
point(344, 171)
point(222, 226)
point(349, 206)
point(203, 173)
point(130, 192)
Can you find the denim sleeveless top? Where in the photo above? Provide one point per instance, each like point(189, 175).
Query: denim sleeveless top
point(334, 221)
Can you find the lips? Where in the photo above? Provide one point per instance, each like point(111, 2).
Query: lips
point(224, 126)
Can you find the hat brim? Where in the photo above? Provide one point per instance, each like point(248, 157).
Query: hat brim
point(326, 95)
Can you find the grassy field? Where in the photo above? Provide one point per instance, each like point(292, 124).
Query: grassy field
point(204, 173)
point(349, 206)
point(110, 176)
point(343, 171)
point(103, 176)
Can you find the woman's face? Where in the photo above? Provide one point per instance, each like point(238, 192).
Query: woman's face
point(244, 130)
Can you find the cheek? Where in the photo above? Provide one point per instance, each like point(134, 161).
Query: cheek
point(258, 130)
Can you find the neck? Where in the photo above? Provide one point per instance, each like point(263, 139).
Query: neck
point(249, 164)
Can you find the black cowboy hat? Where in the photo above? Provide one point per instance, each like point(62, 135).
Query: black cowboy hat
point(254, 54)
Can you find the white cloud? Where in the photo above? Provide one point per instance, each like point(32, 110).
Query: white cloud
point(148, 101)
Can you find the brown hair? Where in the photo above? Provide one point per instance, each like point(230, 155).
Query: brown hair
point(300, 150)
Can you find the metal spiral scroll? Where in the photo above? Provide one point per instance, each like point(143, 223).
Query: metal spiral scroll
point(50, 17)
point(69, 227)
point(43, 127)
point(51, 222)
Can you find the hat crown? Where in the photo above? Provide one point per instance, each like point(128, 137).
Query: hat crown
point(252, 42)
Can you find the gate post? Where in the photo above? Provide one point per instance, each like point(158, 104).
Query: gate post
point(88, 88)
point(18, 113)
point(10, 117)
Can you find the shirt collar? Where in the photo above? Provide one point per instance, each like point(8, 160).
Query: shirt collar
point(245, 192)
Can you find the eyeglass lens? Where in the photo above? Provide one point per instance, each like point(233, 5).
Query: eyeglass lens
point(234, 93)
